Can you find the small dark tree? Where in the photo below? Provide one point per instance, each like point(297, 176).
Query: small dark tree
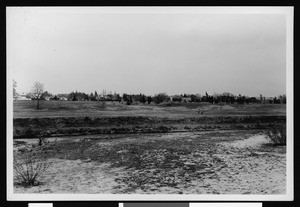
point(149, 99)
point(195, 98)
point(143, 99)
point(125, 97)
point(118, 98)
point(129, 100)
point(74, 98)
point(86, 97)
point(282, 99)
point(46, 95)
point(55, 98)
point(276, 100)
point(92, 97)
point(241, 99)
point(208, 98)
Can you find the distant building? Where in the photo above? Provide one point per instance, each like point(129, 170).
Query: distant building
point(186, 99)
point(23, 97)
point(63, 97)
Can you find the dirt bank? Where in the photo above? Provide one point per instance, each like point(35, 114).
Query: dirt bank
point(66, 126)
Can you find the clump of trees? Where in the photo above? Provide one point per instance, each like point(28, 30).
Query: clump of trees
point(75, 96)
point(143, 98)
point(129, 99)
point(39, 94)
point(161, 97)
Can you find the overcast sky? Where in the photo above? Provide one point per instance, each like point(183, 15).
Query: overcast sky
point(126, 51)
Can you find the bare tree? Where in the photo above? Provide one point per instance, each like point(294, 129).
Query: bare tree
point(37, 91)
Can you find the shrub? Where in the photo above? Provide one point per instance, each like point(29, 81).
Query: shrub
point(42, 141)
point(163, 129)
point(161, 97)
point(30, 168)
point(277, 134)
point(102, 104)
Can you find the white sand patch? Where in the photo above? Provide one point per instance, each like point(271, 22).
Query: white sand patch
point(252, 142)
point(249, 170)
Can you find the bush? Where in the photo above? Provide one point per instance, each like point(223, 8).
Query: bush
point(30, 168)
point(161, 97)
point(277, 134)
point(102, 104)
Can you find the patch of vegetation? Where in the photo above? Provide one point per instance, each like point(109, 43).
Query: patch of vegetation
point(62, 126)
point(29, 167)
point(277, 133)
point(29, 132)
point(102, 105)
point(26, 109)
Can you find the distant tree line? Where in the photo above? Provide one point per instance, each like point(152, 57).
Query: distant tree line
point(129, 99)
point(39, 94)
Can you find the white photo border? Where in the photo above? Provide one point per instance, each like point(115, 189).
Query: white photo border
point(289, 196)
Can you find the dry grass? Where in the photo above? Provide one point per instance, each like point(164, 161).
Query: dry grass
point(24, 109)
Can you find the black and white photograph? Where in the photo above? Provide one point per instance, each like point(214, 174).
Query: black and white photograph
point(156, 103)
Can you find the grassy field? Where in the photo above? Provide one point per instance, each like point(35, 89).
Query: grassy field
point(66, 118)
point(26, 109)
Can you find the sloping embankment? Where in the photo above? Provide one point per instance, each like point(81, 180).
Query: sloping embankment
point(47, 127)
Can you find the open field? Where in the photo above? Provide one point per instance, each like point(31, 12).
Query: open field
point(151, 149)
point(26, 109)
point(67, 118)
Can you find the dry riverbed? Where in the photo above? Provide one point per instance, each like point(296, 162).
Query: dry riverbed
point(228, 162)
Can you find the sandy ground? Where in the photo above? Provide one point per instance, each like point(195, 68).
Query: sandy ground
point(249, 169)
point(75, 176)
